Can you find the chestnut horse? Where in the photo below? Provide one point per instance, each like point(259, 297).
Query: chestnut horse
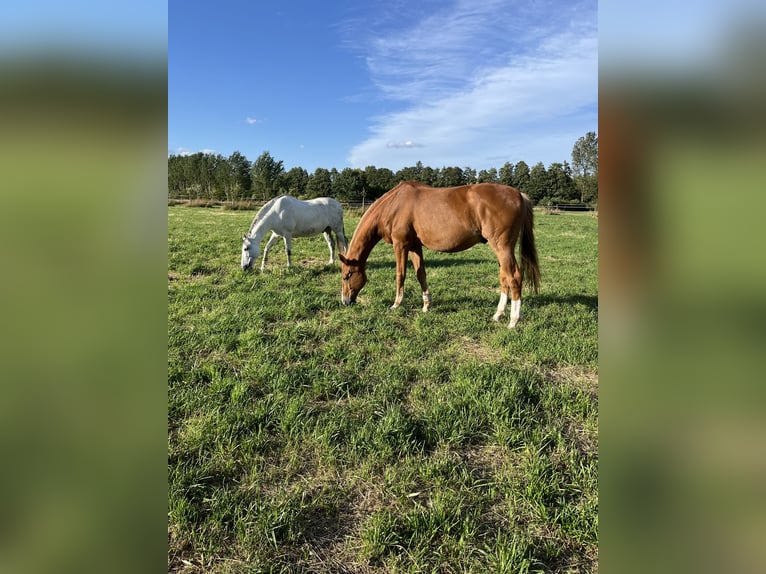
point(413, 215)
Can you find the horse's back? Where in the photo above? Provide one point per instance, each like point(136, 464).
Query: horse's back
point(309, 217)
point(458, 201)
point(454, 218)
point(322, 201)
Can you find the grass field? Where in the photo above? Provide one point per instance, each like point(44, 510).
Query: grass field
point(304, 436)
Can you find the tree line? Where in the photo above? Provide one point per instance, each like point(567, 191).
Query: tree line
point(213, 176)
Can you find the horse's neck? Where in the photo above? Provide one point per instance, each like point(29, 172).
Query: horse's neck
point(366, 237)
point(261, 224)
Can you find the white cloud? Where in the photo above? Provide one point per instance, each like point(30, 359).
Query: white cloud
point(187, 151)
point(478, 83)
point(405, 144)
point(180, 151)
point(250, 120)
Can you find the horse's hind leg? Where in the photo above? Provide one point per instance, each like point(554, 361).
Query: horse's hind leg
point(342, 241)
point(416, 256)
point(504, 288)
point(330, 243)
point(510, 284)
point(515, 293)
point(288, 248)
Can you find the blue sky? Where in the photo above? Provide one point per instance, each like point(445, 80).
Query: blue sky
point(349, 84)
point(136, 29)
point(683, 35)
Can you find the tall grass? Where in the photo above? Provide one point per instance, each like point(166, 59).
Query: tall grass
point(308, 436)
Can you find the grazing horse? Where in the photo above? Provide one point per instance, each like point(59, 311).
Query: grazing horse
point(287, 217)
point(413, 215)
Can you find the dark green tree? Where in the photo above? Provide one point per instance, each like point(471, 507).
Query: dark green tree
point(585, 166)
point(319, 184)
point(295, 181)
point(488, 176)
point(223, 178)
point(505, 175)
point(266, 176)
point(377, 182)
point(451, 177)
point(520, 175)
point(241, 183)
point(411, 173)
point(561, 184)
point(538, 185)
point(177, 183)
point(429, 176)
point(348, 185)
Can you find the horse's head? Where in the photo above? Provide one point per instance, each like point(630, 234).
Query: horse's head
point(250, 251)
point(354, 278)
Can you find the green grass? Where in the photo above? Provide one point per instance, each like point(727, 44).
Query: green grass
point(304, 436)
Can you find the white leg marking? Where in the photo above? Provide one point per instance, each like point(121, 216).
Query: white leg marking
point(501, 306)
point(331, 245)
point(288, 249)
point(426, 301)
point(515, 313)
point(397, 301)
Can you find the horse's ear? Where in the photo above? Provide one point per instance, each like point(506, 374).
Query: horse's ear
point(342, 258)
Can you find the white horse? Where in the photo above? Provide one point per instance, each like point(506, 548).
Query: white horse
point(287, 217)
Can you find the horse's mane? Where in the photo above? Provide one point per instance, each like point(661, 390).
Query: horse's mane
point(373, 214)
point(266, 207)
point(367, 225)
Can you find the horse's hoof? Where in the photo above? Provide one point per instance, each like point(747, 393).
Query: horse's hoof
point(496, 317)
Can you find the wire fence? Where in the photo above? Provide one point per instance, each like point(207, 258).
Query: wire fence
point(250, 204)
point(357, 206)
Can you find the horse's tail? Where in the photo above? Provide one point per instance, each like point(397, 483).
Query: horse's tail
point(343, 239)
point(340, 231)
point(529, 265)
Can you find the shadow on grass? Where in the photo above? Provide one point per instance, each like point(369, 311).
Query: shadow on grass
point(452, 302)
point(589, 301)
point(444, 262)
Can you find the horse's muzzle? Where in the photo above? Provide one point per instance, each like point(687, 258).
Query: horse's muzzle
point(347, 300)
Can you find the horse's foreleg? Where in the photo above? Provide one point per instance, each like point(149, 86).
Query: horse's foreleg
point(330, 244)
point(416, 256)
point(515, 294)
point(400, 253)
point(269, 243)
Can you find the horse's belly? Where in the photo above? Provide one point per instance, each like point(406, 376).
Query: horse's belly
point(308, 231)
point(452, 244)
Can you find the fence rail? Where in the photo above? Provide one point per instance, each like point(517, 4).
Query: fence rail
point(570, 207)
point(251, 204)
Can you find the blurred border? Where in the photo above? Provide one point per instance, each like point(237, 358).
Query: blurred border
point(83, 233)
point(83, 153)
point(682, 134)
